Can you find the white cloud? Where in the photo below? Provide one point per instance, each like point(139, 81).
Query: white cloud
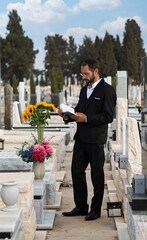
point(114, 27)
point(79, 33)
point(50, 12)
point(142, 25)
point(118, 26)
point(3, 20)
point(98, 4)
point(39, 59)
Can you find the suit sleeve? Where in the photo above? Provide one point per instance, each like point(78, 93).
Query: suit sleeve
point(106, 115)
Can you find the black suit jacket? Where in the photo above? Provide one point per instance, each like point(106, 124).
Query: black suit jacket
point(99, 109)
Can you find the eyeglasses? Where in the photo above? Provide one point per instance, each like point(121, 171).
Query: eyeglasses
point(84, 74)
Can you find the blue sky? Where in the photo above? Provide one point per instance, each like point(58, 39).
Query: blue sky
point(78, 18)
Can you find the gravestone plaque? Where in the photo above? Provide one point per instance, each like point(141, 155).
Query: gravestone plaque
point(122, 84)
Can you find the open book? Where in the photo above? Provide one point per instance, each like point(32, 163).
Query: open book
point(67, 110)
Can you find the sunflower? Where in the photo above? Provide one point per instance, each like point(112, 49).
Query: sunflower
point(40, 104)
point(52, 106)
point(25, 117)
point(29, 110)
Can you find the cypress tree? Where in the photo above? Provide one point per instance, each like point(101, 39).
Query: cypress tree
point(109, 64)
point(139, 51)
point(14, 84)
point(56, 80)
point(130, 53)
point(32, 84)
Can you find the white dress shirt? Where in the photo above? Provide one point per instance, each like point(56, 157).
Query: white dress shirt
point(90, 89)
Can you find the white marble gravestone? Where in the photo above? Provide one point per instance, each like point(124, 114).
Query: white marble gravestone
point(108, 80)
point(123, 136)
point(121, 111)
point(38, 94)
point(22, 96)
point(122, 84)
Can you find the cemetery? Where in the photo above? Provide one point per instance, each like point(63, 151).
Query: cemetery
point(35, 203)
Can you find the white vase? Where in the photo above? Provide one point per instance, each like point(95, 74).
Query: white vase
point(9, 194)
point(39, 170)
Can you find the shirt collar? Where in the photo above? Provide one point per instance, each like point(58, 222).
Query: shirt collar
point(94, 84)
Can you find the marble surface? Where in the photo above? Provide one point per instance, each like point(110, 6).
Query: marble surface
point(9, 220)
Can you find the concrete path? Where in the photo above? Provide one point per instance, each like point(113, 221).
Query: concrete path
point(76, 228)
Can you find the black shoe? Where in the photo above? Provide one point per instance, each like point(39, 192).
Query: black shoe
point(75, 212)
point(92, 215)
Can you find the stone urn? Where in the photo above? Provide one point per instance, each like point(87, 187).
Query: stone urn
point(39, 170)
point(9, 195)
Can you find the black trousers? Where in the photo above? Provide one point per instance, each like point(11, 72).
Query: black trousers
point(85, 153)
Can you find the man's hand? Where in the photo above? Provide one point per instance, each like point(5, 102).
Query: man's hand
point(79, 117)
point(61, 114)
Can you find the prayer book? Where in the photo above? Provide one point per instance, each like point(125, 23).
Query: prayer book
point(67, 110)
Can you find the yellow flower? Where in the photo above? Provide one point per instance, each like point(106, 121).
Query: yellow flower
point(25, 117)
point(52, 106)
point(40, 103)
point(29, 110)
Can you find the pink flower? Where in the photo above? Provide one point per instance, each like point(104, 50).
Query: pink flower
point(45, 142)
point(48, 149)
point(39, 153)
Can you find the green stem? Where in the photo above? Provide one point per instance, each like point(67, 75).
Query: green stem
point(40, 129)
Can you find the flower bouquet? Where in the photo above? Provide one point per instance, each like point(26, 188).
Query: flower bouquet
point(39, 150)
point(36, 153)
point(37, 116)
point(138, 106)
point(33, 152)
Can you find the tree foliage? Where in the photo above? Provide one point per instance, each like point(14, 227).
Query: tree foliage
point(32, 85)
point(18, 56)
point(57, 80)
point(133, 49)
point(109, 64)
point(14, 84)
point(63, 57)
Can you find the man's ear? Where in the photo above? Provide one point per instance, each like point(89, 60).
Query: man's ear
point(96, 71)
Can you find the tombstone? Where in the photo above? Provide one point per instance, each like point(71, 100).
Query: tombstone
point(69, 80)
point(121, 111)
point(45, 218)
point(8, 107)
point(38, 94)
point(21, 97)
point(65, 81)
point(122, 84)
point(108, 80)
point(124, 157)
point(138, 201)
point(144, 113)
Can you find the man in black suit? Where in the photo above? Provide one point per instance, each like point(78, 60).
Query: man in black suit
point(93, 113)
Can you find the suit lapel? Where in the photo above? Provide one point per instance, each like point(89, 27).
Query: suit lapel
point(95, 91)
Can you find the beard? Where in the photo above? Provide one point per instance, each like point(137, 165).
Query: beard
point(91, 80)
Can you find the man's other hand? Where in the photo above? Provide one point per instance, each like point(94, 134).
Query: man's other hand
point(79, 117)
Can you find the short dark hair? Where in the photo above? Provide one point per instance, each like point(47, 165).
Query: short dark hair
point(92, 63)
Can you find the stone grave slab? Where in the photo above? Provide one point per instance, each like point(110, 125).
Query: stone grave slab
point(111, 186)
point(9, 162)
point(40, 235)
point(48, 220)
point(58, 184)
point(60, 175)
point(57, 202)
point(45, 218)
point(10, 225)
